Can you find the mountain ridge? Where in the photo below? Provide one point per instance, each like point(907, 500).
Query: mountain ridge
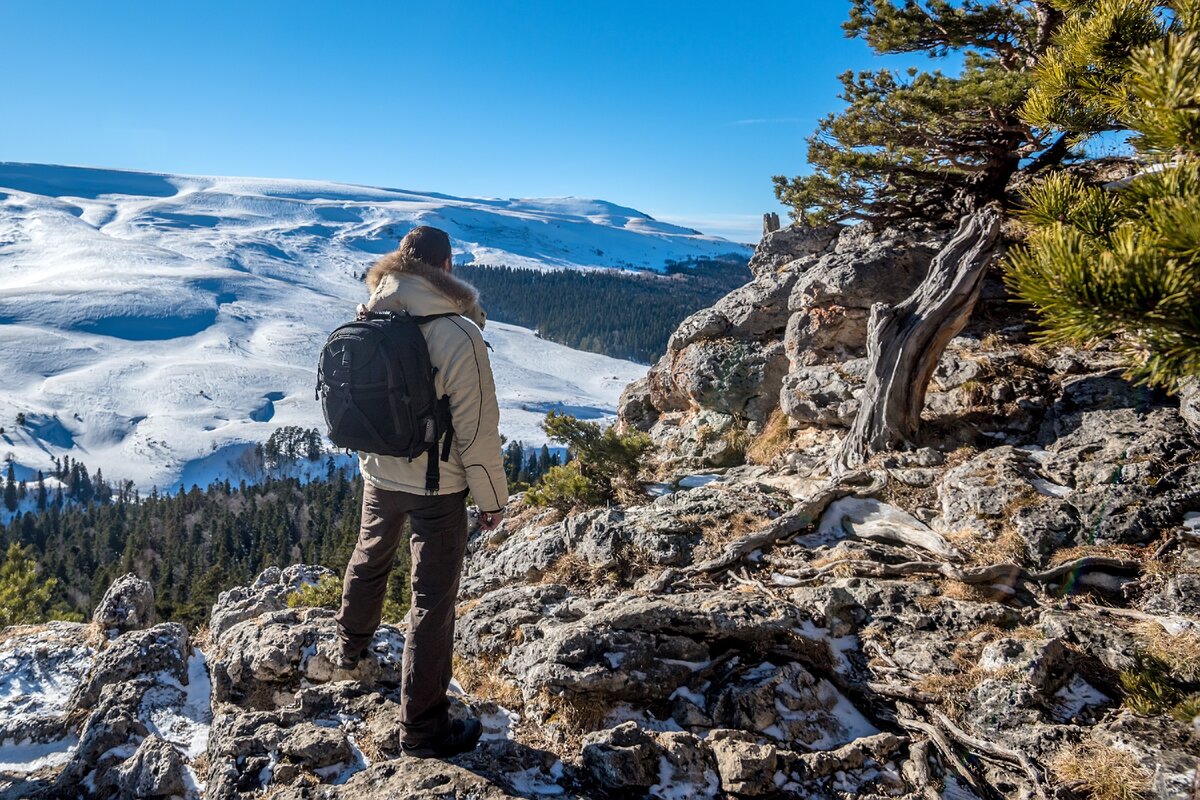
point(155, 317)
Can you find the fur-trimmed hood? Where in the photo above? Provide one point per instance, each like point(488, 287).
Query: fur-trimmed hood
point(398, 283)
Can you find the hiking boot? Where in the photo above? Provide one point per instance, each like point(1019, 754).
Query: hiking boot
point(462, 738)
point(342, 659)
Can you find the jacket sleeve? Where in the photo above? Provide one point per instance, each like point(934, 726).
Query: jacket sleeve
point(476, 416)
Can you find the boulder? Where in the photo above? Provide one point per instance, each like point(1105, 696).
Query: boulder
point(819, 395)
point(831, 300)
point(745, 766)
point(628, 758)
point(128, 605)
point(43, 665)
point(156, 769)
point(728, 375)
point(790, 705)
point(778, 250)
point(635, 409)
point(641, 649)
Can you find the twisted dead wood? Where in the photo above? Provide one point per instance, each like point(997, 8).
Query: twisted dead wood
point(905, 341)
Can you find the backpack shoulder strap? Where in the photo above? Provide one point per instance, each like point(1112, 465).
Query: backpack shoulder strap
point(421, 320)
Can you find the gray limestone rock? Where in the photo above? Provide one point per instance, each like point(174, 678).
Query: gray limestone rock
point(746, 767)
point(268, 592)
point(790, 705)
point(640, 649)
point(1189, 403)
point(260, 660)
point(64, 651)
point(629, 758)
point(127, 605)
point(819, 395)
point(1131, 463)
point(779, 250)
point(315, 746)
point(156, 769)
point(163, 648)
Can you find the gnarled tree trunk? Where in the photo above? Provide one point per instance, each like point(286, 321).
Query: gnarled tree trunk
point(905, 341)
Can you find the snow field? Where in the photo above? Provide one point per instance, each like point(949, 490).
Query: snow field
point(156, 326)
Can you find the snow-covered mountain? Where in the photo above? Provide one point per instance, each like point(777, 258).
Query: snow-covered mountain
point(155, 326)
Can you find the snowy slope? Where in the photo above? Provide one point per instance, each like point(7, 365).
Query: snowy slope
point(153, 325)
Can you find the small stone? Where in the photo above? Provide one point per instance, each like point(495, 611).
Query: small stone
point(315, 746)
point(745, 766)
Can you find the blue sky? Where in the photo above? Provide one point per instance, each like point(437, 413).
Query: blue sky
point(683, 110)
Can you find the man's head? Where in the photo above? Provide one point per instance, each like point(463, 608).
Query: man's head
point(427, 244)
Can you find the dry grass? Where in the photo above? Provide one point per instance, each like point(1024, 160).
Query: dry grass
point(717, 534)
point(1007, 548)
point(774, 440)
point(1105, 772)
point(1180, 652)
point(466, 606)
point(957, 590)
point(953, 688)
point(367, 744)
point(200, 765)
point(572, 569)
point(481, 677)
point(578, 715)
point(990, 633)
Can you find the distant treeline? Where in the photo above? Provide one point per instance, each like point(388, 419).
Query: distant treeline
point(618, 313)
point(192, 545)
point(84, 532)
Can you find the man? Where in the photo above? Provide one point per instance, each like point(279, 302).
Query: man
point(416, 278)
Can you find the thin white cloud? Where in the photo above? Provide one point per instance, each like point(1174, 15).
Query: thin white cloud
point(743, 228)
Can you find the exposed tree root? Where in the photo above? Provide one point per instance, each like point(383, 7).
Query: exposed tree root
point(803, 515)
point(1002, 576)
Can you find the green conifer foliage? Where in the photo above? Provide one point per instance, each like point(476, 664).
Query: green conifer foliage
point(928, 143)
point(1122, 262)
point(24, 594)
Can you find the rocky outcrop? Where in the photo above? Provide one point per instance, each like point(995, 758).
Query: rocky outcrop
point(269, 592)
point(778, 341)
point(961, 619)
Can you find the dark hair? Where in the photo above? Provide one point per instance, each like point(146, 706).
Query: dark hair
point(427, 244)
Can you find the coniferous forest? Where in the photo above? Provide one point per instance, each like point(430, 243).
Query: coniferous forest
point(618, 313)
point(190, 545)
point(82, 532)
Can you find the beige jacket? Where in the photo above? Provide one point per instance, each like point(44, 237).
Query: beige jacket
point(463, 372)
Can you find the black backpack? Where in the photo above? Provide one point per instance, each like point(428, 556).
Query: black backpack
point(375, 384)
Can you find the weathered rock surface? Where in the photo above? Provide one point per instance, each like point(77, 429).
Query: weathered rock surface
point(156, 769)
point(161, 649)
point(127, 605)
point(261, 659)
point(269, 592)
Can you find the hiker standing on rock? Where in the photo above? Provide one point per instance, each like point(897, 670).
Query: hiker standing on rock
point(428, 490)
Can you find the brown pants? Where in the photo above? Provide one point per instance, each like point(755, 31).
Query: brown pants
point(439, 541)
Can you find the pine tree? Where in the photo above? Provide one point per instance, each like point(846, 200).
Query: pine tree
point(1121, 263)
point(24, 594)
point(10, 489)
point(927, 143)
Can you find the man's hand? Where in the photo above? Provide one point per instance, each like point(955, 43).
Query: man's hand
point(490, 520)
